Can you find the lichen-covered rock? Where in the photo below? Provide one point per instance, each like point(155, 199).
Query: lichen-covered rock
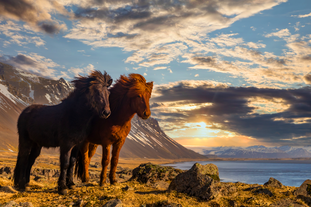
point(273, 183)
point(198, 182)
point(150, 173)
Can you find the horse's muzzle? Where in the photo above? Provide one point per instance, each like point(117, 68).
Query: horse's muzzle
point(105, 114)
point(146, 115)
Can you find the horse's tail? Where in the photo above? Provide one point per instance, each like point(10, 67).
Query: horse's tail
point(79, 169)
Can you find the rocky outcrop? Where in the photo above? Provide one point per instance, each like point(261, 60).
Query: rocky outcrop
point(150, 173)
point(201, 181)
point(304, 192)
point(273, 183)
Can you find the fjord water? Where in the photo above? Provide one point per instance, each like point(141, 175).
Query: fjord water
point(288, 172)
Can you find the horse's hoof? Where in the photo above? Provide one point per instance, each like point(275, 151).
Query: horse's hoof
point(27, 188)
point(62, 191)
point(71, 186)
point(113, 182)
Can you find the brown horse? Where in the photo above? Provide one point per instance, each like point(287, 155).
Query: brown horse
point(128, 96)
point(65, 125)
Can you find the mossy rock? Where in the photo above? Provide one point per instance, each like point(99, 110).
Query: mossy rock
point(150, 173)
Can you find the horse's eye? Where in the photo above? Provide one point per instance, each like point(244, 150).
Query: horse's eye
point(139, 96)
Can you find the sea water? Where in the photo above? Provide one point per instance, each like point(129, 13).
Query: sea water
point(288, 172)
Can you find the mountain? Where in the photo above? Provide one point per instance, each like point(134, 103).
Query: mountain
point(257, 151)
point(18, 89)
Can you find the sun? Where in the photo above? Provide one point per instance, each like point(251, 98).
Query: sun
point(201, 124)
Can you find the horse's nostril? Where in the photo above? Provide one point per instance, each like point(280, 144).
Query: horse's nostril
point(106, 113)
point(145, 114)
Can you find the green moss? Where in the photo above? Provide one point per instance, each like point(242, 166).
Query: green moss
point(215, 177)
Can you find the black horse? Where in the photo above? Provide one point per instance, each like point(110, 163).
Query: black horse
point(65, 125)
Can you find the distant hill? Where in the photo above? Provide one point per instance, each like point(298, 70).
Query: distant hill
point(256, 152)
point(19, 89)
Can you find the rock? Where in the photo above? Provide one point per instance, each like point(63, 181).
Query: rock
point(7, 170)
point(160, 185)
point(113, 203)
point(286, 202)
point(227, 189)
point(163, 204)
point(150, 173)
point(263, 191)
point(304, 192)
point(127, 188)
point(26, 204)
point(47, 173)
point(79, 203)
point(304, 189)
point(198, 182)
point(8, 189)
point(11, 204)
point(273, 183)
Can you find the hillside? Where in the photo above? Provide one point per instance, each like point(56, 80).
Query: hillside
point(19, 89)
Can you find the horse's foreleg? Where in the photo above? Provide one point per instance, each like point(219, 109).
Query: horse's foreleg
point(105, 162)
point(85, 162)
point(87, 155)
point(74, 154)
point(65, 153)
point(114, 161)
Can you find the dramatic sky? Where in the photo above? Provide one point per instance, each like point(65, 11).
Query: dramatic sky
point(225, 72)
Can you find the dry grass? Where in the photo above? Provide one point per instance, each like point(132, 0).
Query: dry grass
point(44, 192)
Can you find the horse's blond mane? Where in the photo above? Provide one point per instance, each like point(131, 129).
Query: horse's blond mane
point(132, 85)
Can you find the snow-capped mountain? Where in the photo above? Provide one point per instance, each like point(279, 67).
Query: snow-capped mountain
point(256, 152)
point(19, 89)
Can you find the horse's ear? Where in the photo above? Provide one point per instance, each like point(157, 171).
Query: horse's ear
point(110, 82)
point(150, 84)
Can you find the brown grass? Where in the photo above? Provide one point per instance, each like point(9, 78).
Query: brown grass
point(44, 192)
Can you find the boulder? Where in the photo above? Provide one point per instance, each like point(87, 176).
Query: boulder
point(163, 204)
point(273, 183)
point(304, 189)
point(201, 181)
point(304, 192)
point(150, 173)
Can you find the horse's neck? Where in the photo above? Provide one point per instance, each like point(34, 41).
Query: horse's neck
point(123, 114)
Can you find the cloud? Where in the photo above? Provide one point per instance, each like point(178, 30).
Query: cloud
point(33, 63)
point(36, 14)
point(13, 33)
point(302, 15)
point(81, 71)
point(282, 33)
point(145, 27)
point(268, 115)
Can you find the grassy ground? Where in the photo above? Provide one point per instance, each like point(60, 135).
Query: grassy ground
point(44, 193)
